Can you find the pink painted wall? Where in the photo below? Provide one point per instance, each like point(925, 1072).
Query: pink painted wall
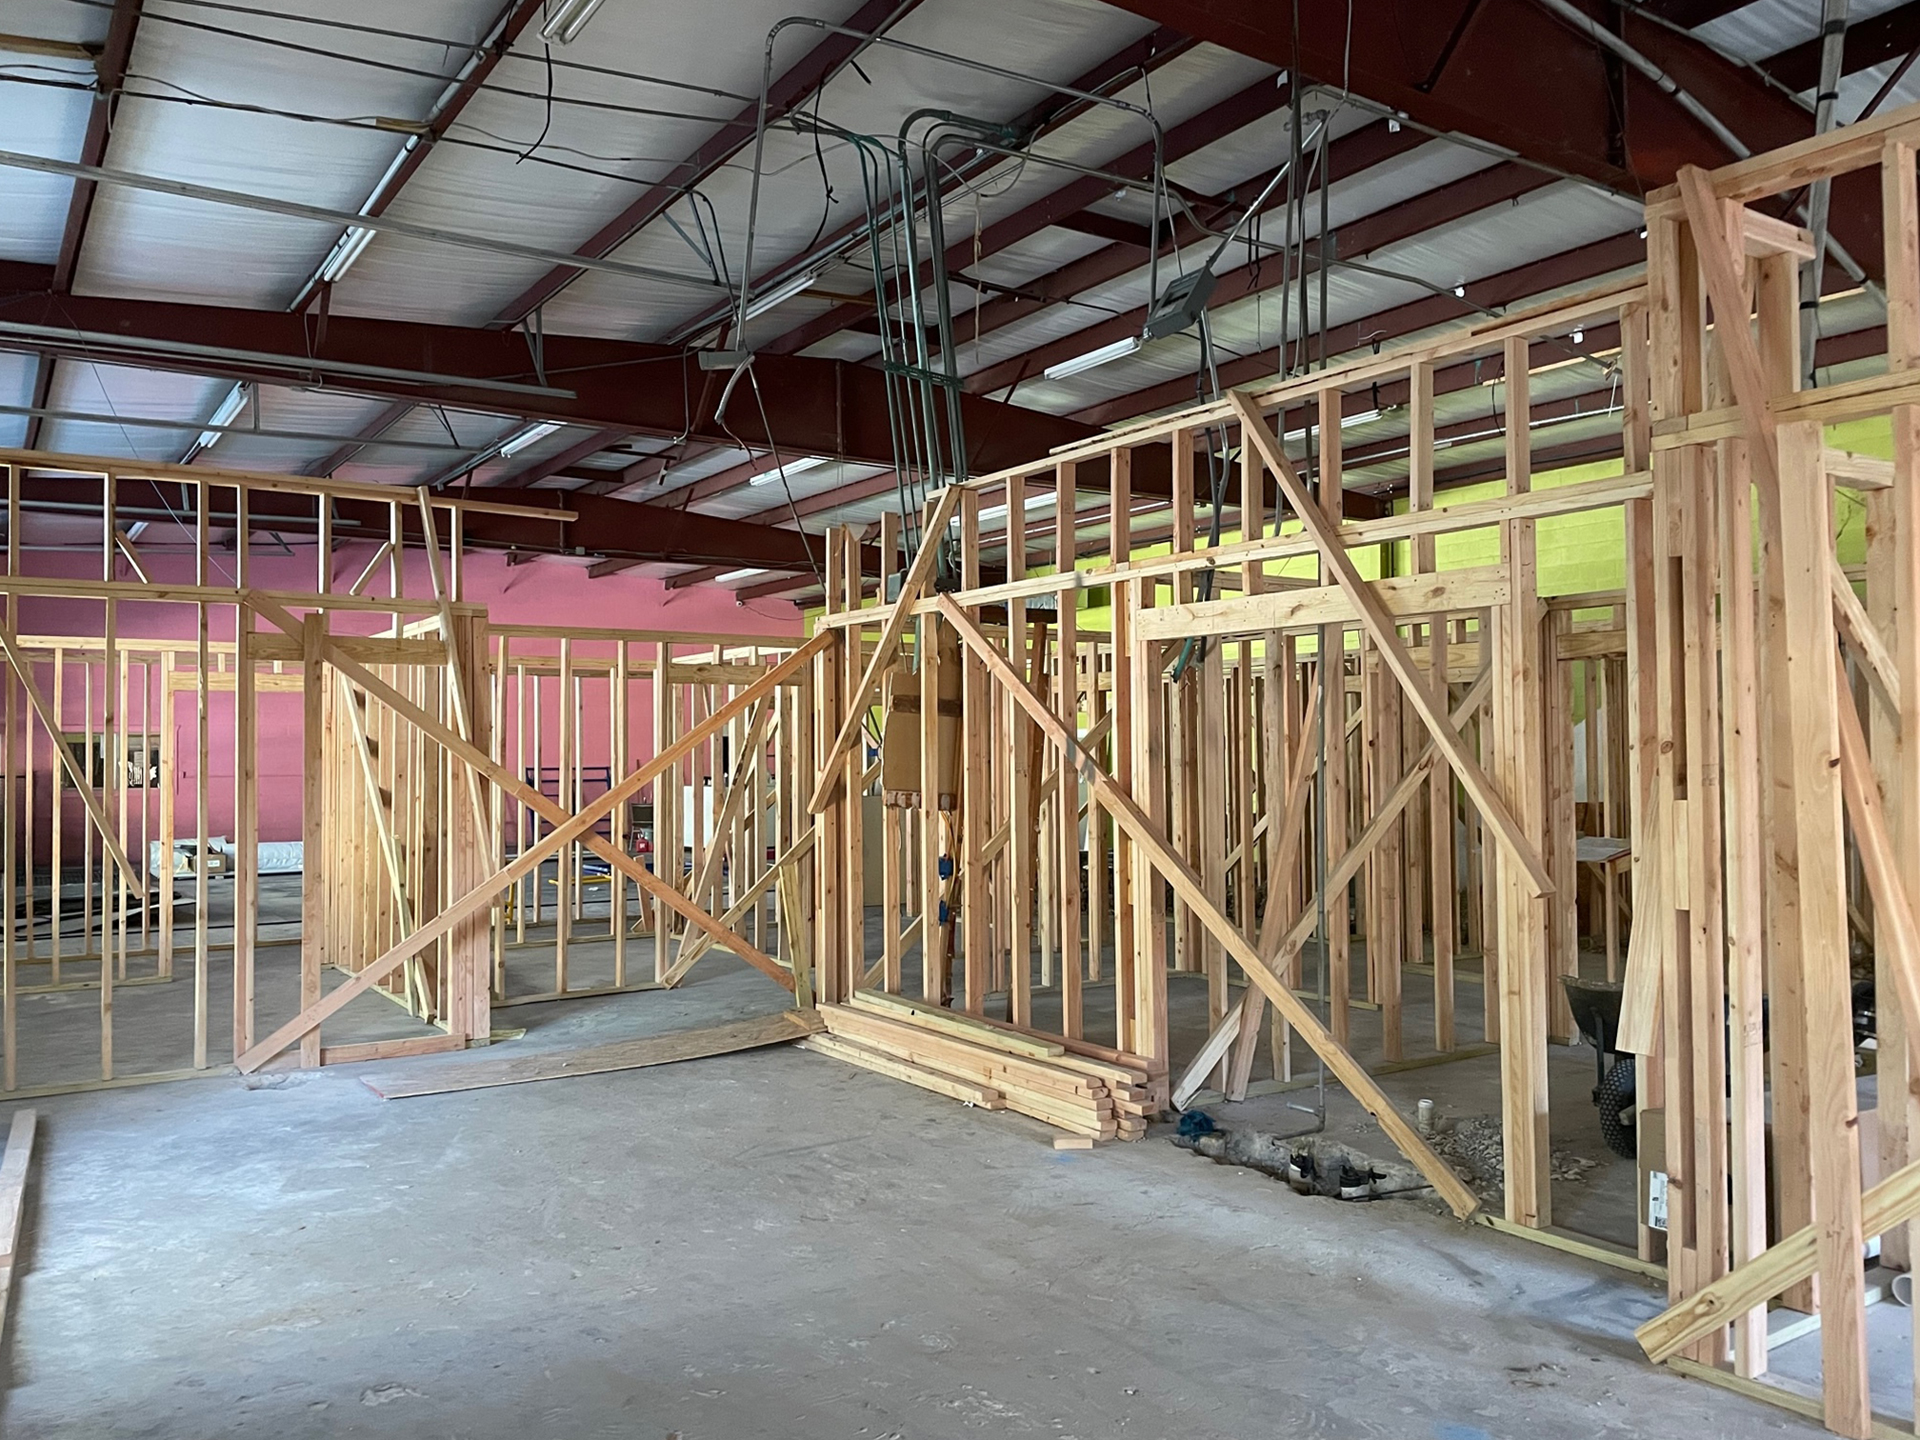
point(544, 592)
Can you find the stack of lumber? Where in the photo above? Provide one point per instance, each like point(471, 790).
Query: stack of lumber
point(1081, 1088)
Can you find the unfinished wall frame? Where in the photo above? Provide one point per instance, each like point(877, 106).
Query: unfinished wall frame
point(134, 793)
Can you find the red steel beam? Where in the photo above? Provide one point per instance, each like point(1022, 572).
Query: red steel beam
point(778, 512)
point(111, 72)
point(643, 470)
point(722, 481)
point(607, 527)
point(816, 407)
point(768, 588)
point(654, 467)
point(42, 389)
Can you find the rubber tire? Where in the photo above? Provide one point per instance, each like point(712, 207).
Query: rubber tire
point(1615, 1100)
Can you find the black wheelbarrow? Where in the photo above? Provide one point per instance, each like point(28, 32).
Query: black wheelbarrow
point(1596, 1011)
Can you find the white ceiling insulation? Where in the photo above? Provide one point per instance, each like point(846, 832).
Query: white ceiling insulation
point(16, 390)
point(283, 412)
point(165, 247)
point(1756, 31)
point(42, 117)
point(114, 391)
point(1374, 189)
point(472, 432)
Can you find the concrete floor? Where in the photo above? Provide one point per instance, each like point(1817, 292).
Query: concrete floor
point(768, 1244)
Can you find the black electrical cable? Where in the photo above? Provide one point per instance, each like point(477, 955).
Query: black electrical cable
point(826, 181)
point(549, 121)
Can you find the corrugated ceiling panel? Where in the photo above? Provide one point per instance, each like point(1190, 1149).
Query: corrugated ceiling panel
point(385, 465)
point(601, 162)
point(16, 385)
point(164, 247)
point(42, 120)
point(337, 417)
point(1539, 225)
point(118, 390)
point(1364, 194)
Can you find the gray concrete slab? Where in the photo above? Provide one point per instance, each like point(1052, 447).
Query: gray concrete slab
point(765, 1245)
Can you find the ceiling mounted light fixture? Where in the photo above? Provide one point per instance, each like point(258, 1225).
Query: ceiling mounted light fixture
point(568, 19)
point(1119, 349)
point(787, 470)
point(514, 444)
point(347, 249)
point(732, 575)
point(229, 409)
point(780, 294)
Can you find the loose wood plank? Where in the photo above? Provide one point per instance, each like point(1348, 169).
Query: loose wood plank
point(637, 1054)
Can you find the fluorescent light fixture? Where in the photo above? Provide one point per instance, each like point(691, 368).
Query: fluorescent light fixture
point(1036, 505)
point(569, 18)
point(732, 575)
point(514, 444)
point(347, 249)
point(230, 407)
point(789, 470)
point(780, 294)
point(1119, 349)
point(1347, 422)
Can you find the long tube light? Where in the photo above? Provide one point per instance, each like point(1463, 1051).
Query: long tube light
point(788, 470)
point(231, 406)
point(780, 294)
point(732, 575)
point(1118, 350)
point(1036, 505)
point(563, 27)
point(347, 249)
point(514, 444)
